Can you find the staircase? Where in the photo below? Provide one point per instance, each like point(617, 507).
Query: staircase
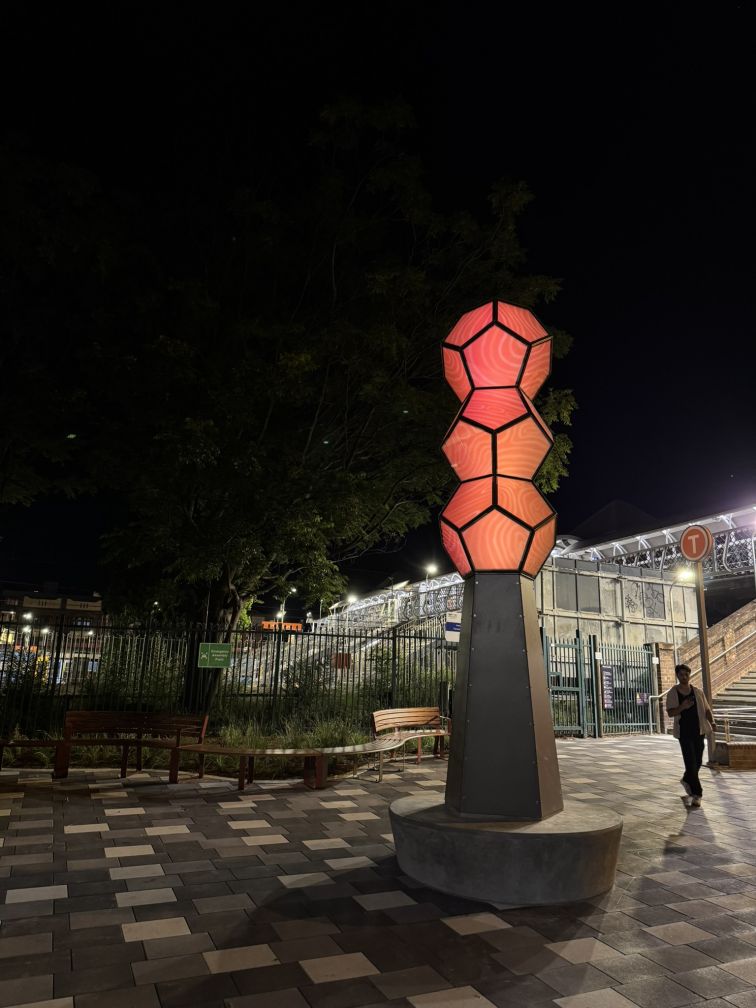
point(742, 693)
point(732, 657)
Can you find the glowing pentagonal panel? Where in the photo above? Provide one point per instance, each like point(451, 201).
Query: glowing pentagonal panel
point(455, 549)
point(520, 449)
point(469, 451)
point(495, 408)
point(495, 358)
point(470, 500)
point(521, 499)
point(537, 368)
point(470, 324)
point(496, 542)
point(540, 548)
point(521, 321)
point(455, 374)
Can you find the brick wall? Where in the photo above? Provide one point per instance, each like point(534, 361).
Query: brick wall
point(666, 678)
point(722, 636)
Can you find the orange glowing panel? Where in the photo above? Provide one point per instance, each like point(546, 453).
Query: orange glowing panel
point(453, 546)
point(456, 376)
point(521, 321)
point(521, 499)
point(521, 449)
point(537, 368)
point(470, 324)
point(542, 545)
point(469, 451)
point(470, 500)
point(495, 408)
point(495, 358)
point(495, 542)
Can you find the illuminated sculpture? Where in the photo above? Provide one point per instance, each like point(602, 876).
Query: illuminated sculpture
point(503, 833)
point(496, 359)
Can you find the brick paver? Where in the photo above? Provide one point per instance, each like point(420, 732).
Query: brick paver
point(131, 894)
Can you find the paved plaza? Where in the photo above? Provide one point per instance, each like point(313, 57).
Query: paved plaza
point(139, 895)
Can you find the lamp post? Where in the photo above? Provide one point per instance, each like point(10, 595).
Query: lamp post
point(279, 642)
point(430, 571)
point(350, 600)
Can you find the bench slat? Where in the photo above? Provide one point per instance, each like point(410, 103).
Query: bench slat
point(406, 717)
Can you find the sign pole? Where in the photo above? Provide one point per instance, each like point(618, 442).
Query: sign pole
point(703, 632)
point(696, 543)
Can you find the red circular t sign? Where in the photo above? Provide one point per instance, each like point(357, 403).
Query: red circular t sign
point(696, 542)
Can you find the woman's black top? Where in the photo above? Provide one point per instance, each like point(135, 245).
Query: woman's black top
point(688, 718)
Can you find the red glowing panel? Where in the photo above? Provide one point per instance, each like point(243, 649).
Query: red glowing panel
point(521, 321)
point(469, 500)
point(536, 369)
point(455, 374)
point(542, 545)
point(521, 449)
point(495, 542)
point(495, 408)
point(521, 499)
point(453, 546)
point(470, 324)
point(469, 451)
point(495, 359)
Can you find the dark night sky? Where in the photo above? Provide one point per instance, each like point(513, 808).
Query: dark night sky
point(634, 132)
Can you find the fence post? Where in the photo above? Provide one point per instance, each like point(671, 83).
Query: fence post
point(598, 708)
point(394, 668)
point(580, 671)
point(58, 647)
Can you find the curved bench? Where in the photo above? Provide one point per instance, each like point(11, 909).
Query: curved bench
point(315, 762)
point(391, 729)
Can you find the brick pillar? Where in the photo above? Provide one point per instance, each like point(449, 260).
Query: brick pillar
point(666, 678)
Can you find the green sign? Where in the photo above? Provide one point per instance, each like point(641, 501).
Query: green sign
point(214, 656)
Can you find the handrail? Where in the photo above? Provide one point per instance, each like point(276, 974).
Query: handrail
point(727, 650)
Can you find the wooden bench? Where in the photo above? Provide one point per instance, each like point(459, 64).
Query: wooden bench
point(15, 743)
point(126, 730)
point(391, 730)
point(402, 724)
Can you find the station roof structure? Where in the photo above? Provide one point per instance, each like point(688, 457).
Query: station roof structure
point(657, 547)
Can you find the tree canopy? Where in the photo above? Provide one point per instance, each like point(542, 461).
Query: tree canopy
point(252, 371)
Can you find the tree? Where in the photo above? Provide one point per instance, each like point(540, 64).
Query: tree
point(249, 373)
point(286, 401)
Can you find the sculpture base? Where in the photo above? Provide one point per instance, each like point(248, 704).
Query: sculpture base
point(568, 857)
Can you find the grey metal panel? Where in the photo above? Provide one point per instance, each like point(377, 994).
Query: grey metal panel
point(503, 754)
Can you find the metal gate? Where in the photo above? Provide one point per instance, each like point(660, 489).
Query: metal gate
point(598, 689)
point(626, 681)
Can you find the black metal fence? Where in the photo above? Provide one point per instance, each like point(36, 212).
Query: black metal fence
point(273, 675)
point(599, 689)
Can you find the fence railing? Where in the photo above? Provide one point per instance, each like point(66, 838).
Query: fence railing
point(277, 675)
point(272, 675)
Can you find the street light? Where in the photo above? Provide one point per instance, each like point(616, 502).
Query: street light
point(350, 600)
point(282, 613)
point(686, 576)
point(430, 571)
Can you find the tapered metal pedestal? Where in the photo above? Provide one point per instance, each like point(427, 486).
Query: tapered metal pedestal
point(503, 834)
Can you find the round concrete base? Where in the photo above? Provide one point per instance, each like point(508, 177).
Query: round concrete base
point(563, 859)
